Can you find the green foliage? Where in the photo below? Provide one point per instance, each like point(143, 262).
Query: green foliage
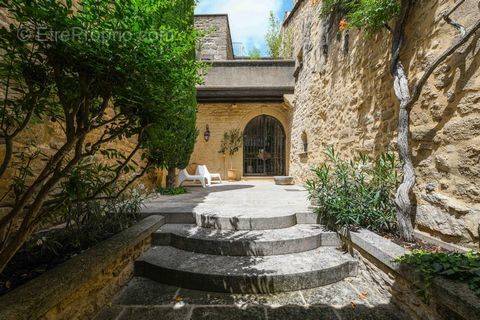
point(255, 54)
point(333, 6)
point(231, 142)
point(171, 141)
point(273, 37)
point(463, 267)
point(125, 69)
point(85, 225)
point(355, 194)
point(372, 15)
point(172, 191)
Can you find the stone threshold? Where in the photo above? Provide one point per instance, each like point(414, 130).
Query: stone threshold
point(455, 296)
point(83, 280)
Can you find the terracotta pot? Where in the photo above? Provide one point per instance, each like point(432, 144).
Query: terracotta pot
point(232, 174)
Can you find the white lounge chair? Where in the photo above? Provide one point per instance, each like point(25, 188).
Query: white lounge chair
point(202, 170)
point(183, 176)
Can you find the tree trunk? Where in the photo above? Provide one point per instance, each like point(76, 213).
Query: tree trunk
point(7, 253)
point(171, 177)
point(403, 197)
point(403, 200)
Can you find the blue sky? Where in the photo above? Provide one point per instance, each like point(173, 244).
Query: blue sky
point(248, 18)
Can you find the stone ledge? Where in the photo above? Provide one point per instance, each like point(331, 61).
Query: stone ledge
point(242, 94)
point(43, 294)
point(454, 295)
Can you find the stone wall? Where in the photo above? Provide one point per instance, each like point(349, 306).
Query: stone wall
point(221, 117)
point(217, 42)
point(344, 97)
point(84, 284)
point(401, 285)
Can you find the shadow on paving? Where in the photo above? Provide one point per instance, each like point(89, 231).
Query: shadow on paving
point(186, 203)
point(287, 312)
point(144, 299)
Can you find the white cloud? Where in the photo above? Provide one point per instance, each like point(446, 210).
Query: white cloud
point(248, 18)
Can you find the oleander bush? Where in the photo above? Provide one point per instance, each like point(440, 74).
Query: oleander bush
point(357, 193)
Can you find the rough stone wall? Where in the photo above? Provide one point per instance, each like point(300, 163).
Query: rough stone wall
point(398, 290)
point(221, 117)
point(99, 291)
point(217, 43)
point(344, 97)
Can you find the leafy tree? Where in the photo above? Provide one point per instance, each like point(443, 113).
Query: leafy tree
point(102, 71)
point(274, 36)
point(231, 143)
point(372, 15)
point(171, 141)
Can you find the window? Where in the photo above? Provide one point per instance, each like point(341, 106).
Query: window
point(305, 142)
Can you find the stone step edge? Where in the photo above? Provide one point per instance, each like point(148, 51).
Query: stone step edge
point(246, 284)
point(246, 247)
point(184, 217)
point(255, 223)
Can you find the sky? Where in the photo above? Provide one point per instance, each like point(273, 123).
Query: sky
point(248, 18)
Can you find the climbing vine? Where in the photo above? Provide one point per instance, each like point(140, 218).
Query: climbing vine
point(456, 266)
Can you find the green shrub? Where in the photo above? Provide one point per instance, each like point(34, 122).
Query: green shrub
point(91, 210)
point(355, 194)
point(86, 224)
point(456, 266)
point(372, 15)
point(172, 191)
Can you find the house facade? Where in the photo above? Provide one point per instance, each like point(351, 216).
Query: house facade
point(242, 94)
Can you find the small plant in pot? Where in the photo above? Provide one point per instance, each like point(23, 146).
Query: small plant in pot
point(230, 145)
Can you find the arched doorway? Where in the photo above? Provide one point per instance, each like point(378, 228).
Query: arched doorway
point(264, 147)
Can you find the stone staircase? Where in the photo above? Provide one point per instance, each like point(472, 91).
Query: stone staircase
point(261, 253)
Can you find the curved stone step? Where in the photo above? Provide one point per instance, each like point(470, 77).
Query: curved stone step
point(192, 238)
point(227, 221)
point(267, 274)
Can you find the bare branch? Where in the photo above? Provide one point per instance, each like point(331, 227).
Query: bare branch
point(7, 157)
point(448, 19)
point(128, 184)
point(421, 83)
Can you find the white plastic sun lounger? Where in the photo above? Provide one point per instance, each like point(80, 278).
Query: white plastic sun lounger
point(202, 170)
point(185, 176)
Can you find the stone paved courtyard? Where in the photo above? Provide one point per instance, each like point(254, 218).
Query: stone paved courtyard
point(231, 217)
point(353, 298)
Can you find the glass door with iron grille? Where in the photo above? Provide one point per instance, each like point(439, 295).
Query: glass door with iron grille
point(264, 147)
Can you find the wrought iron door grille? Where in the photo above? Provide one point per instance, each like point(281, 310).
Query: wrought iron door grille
point(264, 147)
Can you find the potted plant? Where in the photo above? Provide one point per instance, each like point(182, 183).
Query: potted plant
point(231, 144)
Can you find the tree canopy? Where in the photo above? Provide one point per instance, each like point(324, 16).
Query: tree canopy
point(119, 68)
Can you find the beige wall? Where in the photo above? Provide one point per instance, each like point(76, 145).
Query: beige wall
point(345, 99)
point(221, 117)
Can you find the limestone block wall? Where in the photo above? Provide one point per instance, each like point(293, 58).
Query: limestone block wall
point(222, 117)
point(344, 97)
point(216, 43)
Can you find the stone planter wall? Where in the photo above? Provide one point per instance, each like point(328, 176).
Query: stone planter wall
point(80, 287)
point(376, 254)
